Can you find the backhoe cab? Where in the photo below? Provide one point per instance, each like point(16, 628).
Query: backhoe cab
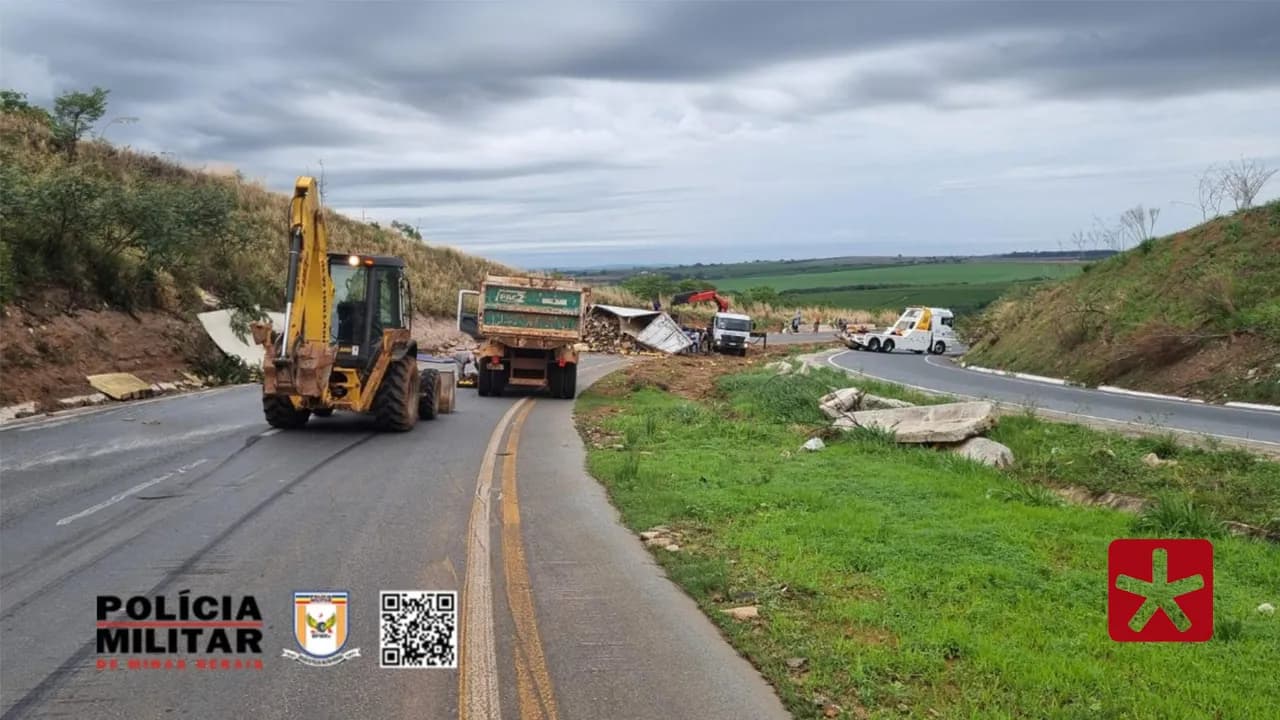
point(346, 343)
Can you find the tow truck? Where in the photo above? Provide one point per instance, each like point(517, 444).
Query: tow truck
point(919, 329)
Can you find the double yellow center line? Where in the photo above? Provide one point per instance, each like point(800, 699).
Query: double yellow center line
point(478, 696)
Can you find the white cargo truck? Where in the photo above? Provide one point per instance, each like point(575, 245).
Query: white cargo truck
point(920, 330)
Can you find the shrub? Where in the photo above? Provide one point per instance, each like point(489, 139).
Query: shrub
point(1174, 516)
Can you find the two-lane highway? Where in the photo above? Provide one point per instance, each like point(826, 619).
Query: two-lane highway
point(942, 374)
point(564, 614)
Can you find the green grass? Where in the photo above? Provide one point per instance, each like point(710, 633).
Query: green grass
point(960, 298)
point(912, 578)
point(923, 274)
point(1196, 312)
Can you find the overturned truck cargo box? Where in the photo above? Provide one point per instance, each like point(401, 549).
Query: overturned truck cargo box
point(652, 329)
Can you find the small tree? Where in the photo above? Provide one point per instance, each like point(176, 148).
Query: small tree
point(74, 114)
point(15, 103)
point(1138, 224)
point(406, 229)
point(1242, 181)
point(1210, 193)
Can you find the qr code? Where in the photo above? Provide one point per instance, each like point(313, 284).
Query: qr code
point(419, 629)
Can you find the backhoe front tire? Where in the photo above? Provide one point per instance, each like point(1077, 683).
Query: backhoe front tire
point(427, 394)
point(395, 406)
point(281, 413)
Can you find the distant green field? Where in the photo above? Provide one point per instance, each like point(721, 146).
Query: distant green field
point(930, 274)
point(959, 298)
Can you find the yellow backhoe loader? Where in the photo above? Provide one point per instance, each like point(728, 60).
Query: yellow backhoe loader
point(346, 343)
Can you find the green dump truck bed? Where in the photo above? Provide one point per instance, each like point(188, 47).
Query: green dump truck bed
point(532, 312)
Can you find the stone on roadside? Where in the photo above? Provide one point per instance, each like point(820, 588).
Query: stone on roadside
point(948, 423)
point(21, 410)
point(83, 400)
point(987, 452)
point(875, 402)
point(835, 404)
point(1267, 609)
point(781, 367)
point(1153, 460)
point(671, 548)
point(814, 444)
point(746, 612)
point(797, 663)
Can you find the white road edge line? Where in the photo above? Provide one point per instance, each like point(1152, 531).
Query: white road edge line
point(62, 417)
point(131, 491)
point(832, 361)
point(478, 695)
point(1021, 376)
point(1254, 406)
point(1151, 396)
point(1139, 393)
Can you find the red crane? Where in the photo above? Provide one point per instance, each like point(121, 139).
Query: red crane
point(701, 296)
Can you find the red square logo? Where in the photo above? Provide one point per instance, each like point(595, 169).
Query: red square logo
point(1160, 590)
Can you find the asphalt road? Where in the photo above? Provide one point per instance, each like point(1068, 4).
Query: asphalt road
point(564, 614)
point(942, 374)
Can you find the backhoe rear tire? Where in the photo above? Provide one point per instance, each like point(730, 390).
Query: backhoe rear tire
point(395, 406)
point(281, 413)
point(427, 394)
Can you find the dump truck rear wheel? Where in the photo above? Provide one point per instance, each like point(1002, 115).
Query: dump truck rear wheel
point(395, 406)
point(281, 413)
point(570, 381)
point(873, 344)
point(555, 381)
point(427, 399)
point(886, 346)
point(483, 385)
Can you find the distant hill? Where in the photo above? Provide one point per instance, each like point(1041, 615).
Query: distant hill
point(1197, 312)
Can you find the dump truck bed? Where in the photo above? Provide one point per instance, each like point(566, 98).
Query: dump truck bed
point(532, 312)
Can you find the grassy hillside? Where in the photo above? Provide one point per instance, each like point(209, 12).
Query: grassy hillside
point(135, 232)
point(1197, 312)
point(106, 257)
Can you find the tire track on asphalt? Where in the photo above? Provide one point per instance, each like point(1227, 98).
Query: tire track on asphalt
point(64, 549)
point(55, 679)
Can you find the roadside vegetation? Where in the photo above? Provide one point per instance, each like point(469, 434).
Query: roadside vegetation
point(133, 231)
point(899, 581)
point(107, 255)
point(1196, 312)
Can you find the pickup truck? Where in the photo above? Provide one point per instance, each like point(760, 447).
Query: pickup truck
point(529, 330)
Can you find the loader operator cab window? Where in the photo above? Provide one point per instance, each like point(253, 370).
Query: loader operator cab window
point(349, 284)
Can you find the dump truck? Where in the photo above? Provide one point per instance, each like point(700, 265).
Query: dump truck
point(346, 341)
point(919, 329)
point(529, 331)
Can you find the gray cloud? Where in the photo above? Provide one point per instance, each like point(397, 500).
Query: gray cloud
point(780, 123)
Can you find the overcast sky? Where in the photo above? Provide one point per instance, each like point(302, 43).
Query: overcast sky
point(571, 134)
